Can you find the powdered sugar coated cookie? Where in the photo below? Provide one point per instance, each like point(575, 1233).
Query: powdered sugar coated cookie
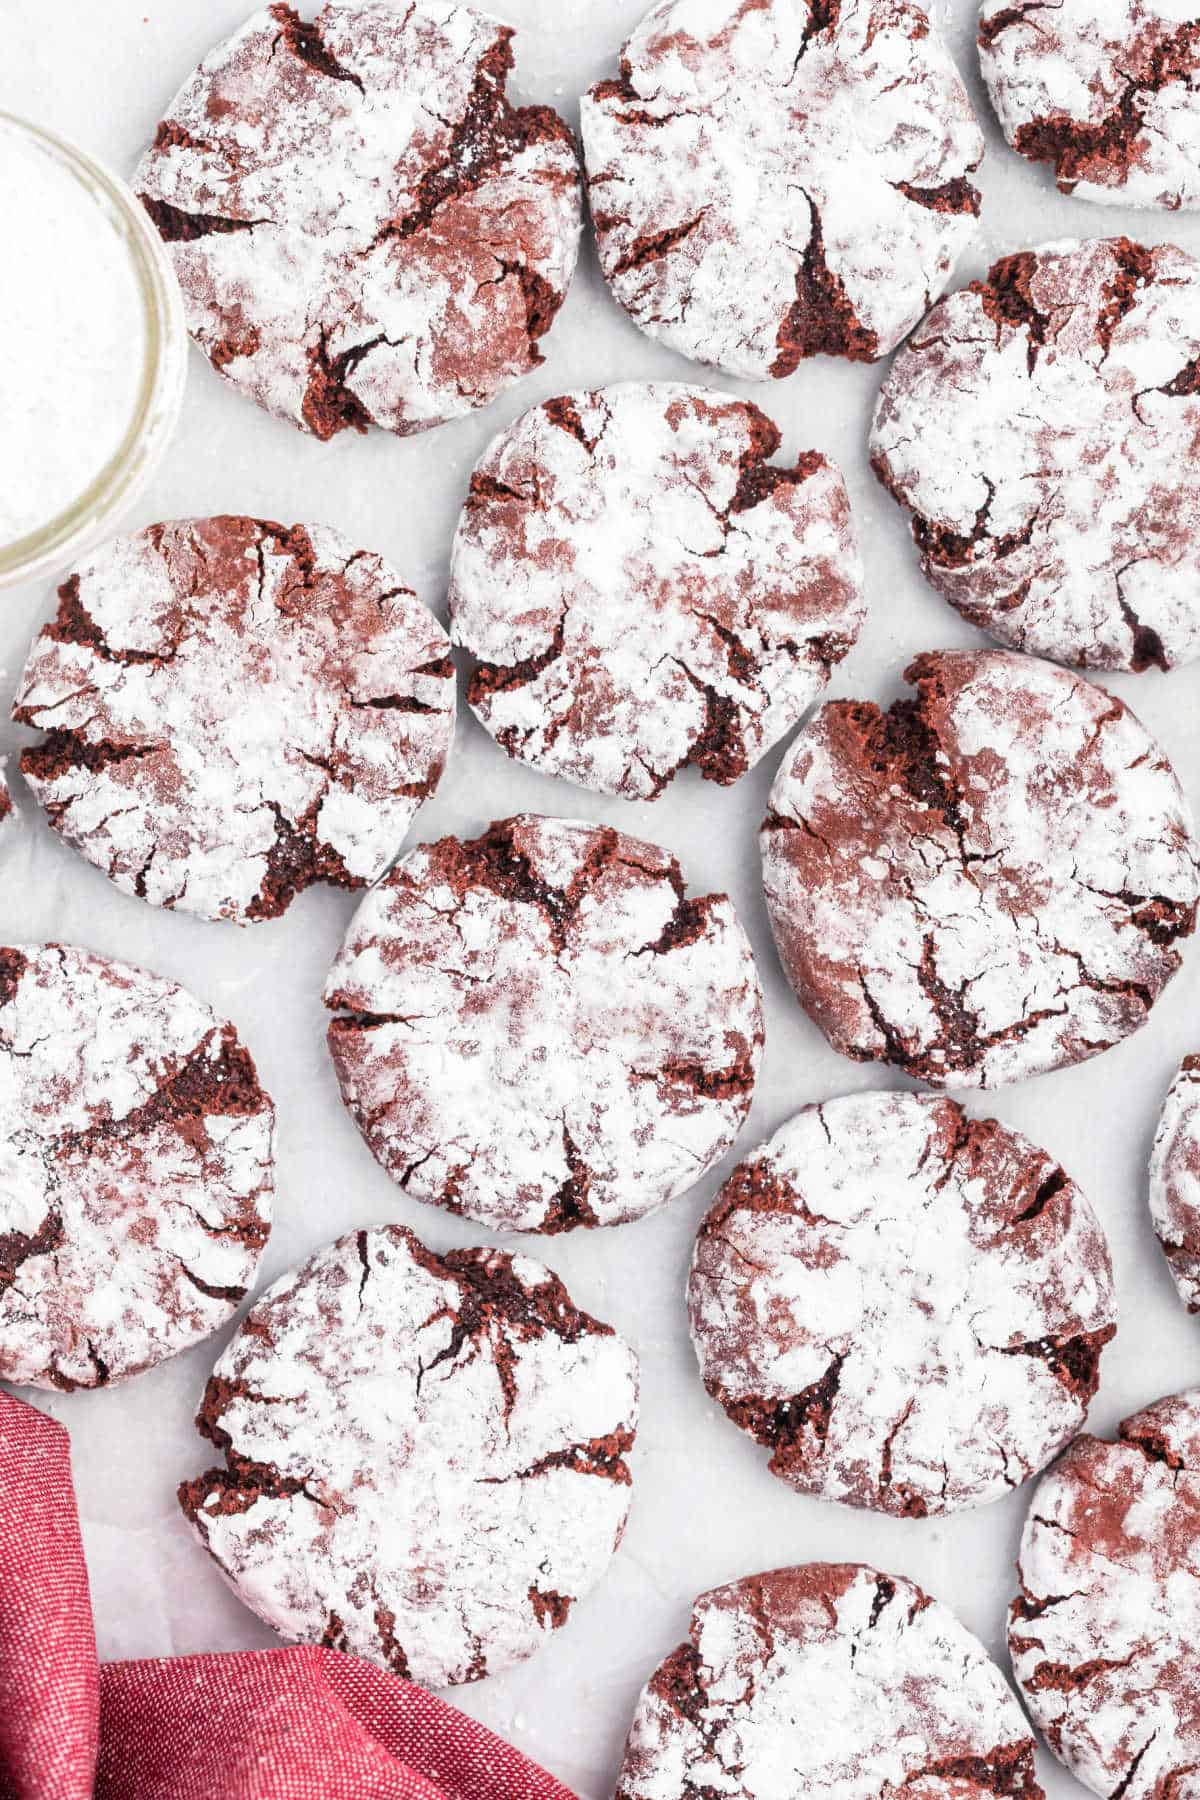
point(1175, 1181)
point(1042, 428)
point(365, 230)
point(541, 1030)
point(136, 1168)
point(983, 883)
point(907, 1307)
point(781, 179)
point(234, 710)
point(829, 1680)
point(424, 1455)
point(644, 590)
point(1104, 1631)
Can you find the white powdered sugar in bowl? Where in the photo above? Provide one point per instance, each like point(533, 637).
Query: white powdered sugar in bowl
point(93, 350)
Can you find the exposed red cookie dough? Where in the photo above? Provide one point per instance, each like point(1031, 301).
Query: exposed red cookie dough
point(1104, 1631)
point(234, 710)
point(905, 1306)
point(366, 230)
point(539, 1028)
point(985, 882)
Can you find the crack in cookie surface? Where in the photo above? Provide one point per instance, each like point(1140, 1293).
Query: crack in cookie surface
point(1042, 430)
point(644, 590)
point(1103, 1630)
point(832, 1680)
point(235, 710)
point(138, 1168)
point(905, 1306)
point(985, 883)
point(366, 230)
point(1106, 91)
point(540, 1029)
point(424, 1456)
point(747, 213)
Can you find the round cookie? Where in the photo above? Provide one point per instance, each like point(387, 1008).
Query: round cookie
point(1175, 1181)
point(1104, 1631)
point(540, 1030)
point(1042, 429)
point(365, 230)
point(982, 883)
point(786, 179)
point(1107, 91)
point(644, 590)
point(828, 1680)
point(136, 1168)
point(907, 1307)
point(235, 710)
point(424, 1455)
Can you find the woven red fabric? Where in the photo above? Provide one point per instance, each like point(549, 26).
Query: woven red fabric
point(300, 1724)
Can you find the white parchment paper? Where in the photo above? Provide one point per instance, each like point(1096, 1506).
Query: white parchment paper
point(705, 1509)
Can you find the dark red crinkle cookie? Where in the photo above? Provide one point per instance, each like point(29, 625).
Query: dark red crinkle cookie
point(366, 231)
point(1106, 91)
point(1175, 1181)
point(781, 179)
point(1104, 1631)
point(136, 1150)
point(234, 710)
point(833, 1681)
point(982, 883)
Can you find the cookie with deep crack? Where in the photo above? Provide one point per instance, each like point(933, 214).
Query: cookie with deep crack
point(1105, 91)
point(1042, 430)
point(833, 1681)
point(982, 883)
point(234, 710)
point(644, 589)
point(781, 180)
point(136, 1168)
point(366, 230)
point(1175, 1181)
point(1103, 1633)
point(424, 1456)
point(907, 1307)
point(540, 1029)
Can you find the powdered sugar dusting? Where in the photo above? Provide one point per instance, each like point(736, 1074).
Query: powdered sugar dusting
point(1108, 91)
point(539, 1029)
point(1103, 1634)
point(983, 883)
point(235, 710)
point(771, 180)
point(425, 1455)
point(1043, 429)
point(644, 590)
point(366, 232)
point(136, 1168)
point(830, 1679)
point(1175, 1181)
point(905, 1306)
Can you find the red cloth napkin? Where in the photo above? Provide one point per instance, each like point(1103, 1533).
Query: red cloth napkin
point(303, 1724)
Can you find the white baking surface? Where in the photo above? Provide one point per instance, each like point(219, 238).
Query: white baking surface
point(705, 1509)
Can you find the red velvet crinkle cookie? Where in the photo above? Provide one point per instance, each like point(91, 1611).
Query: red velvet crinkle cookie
point(1175, 1181)
point(1042, 429)
point(1106, 91)
point(540, 1029)
point(644, 590)
point(907, 1307)
point(1104, 1631)
point(365, 230)
point(8, 814)
point(235, 710)
point(833, 1681)
point(136, 1168)
point(424, 1456)
point(982, 883)
point(779, 180)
